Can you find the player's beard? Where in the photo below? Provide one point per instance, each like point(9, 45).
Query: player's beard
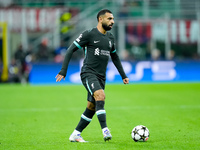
point(106, 27)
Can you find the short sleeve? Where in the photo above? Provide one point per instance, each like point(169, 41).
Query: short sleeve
point(82, 40)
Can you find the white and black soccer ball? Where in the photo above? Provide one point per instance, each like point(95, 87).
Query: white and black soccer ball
point(140, 133)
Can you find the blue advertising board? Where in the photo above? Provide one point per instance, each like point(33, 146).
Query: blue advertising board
point(142, 71)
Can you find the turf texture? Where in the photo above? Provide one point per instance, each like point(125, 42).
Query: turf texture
point(43, 117)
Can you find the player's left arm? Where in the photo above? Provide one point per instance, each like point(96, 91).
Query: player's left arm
point(118, 65)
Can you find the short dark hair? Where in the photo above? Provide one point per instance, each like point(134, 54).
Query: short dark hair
point(102, 12)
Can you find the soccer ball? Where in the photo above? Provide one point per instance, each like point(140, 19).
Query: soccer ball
point(140, 133)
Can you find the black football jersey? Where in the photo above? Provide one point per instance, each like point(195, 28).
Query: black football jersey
point(97, 47)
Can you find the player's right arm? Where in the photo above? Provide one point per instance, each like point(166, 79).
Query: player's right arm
point(61, 75)
point(81, 41)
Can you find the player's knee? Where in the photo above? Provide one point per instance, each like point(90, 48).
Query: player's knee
point(91, 106)
point(99, 95)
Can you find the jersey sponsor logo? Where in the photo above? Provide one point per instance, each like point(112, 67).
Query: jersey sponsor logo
point(104, 52)
point(97, 51)
point(96, 41)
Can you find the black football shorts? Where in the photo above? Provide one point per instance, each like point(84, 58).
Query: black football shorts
point(92, 83)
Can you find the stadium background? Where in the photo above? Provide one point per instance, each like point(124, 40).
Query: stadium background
point(159, 44)
point(156, 40)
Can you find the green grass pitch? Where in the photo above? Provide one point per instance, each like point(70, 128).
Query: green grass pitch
point(43, 117)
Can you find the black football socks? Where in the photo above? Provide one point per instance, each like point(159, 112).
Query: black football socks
point(86, 118)
point(101, 113)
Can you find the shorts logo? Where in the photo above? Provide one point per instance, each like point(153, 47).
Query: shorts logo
point(92, 85)
point(96, 52)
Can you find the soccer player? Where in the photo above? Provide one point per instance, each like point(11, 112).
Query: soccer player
point(98, 45)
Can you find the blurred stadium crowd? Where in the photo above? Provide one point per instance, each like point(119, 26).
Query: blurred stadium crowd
point(138, 44)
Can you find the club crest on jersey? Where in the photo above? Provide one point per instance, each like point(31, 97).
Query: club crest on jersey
point(110, 44)
point(96, 51)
